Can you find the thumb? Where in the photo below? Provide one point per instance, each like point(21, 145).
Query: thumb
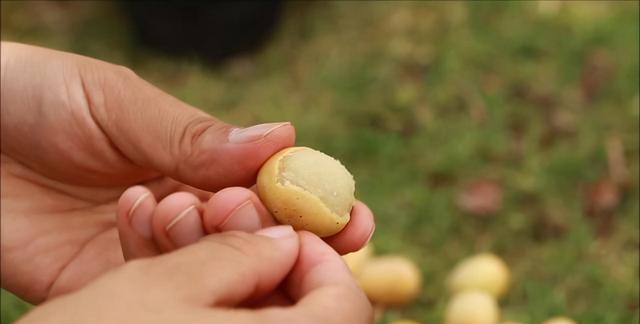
point(157, 131)
point(229, 268)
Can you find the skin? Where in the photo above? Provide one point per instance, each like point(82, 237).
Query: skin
point(179, 287)
point(83, 140)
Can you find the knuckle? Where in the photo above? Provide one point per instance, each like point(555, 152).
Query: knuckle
point(188, 134)
point(124, 71)
point(234, 244)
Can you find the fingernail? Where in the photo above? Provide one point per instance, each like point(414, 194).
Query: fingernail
point(137, 219)
point(253, 133)
point(277, 231)
point(373, 229)
point(186, 227)
point(243, 218)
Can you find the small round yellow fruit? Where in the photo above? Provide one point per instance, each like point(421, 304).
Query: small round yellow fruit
point(390, 280)
point(356, 260)
point(308, 190)
point(559, 320)
point(472, 307)
point(484, 271)
point(405, 321)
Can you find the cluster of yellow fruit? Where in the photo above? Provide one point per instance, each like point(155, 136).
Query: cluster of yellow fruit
point(476, 283)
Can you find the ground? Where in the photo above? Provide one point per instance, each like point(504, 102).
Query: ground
point(533, 102)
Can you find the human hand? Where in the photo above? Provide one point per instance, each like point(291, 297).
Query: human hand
point(276, 276)
point(77, 132)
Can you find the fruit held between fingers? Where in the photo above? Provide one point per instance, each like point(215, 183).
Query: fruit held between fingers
point(308, 190)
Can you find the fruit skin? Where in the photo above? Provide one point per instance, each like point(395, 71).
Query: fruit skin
point(559, 320)
point(390, 280)
point(293, 205)
point(484, 271)
point(472, 307)
point(356, 260)
point(405, 321)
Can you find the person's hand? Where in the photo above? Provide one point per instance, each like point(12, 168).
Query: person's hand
point(77, 132)
point(224, 278)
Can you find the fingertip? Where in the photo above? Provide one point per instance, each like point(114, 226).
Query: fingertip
point(319, 278)
point(130, 199)
point(284, 136)
point(234, 156)
point(358, 231)
point(315, 254)
point(134, 213)
point(176, 221)
point(235, 209)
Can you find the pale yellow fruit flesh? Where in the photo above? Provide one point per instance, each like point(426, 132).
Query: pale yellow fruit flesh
point(472, 307)
point(390, 280)
point(320, 175)
point(308, 190)
point(484, 271)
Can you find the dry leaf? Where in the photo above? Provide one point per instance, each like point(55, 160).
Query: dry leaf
point(480, 197)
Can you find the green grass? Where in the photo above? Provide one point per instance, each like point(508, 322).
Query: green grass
point(418, 98)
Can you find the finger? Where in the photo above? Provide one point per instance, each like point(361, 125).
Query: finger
point(235, 209)
point(158, 131)
point(177, 222)
point(319, 279)
point(134, 212)
point(228, 268)
point(357, 233)
point(164, 186)
point(276, 298)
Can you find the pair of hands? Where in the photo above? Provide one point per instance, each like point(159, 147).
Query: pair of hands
point(77, 133)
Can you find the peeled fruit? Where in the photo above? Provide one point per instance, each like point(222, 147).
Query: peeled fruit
point(559, 320)
point(356, 260)
point(484, 271)
point(472, 307)
point(390, 280)
point(308, 190)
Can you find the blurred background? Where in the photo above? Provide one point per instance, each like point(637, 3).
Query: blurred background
point(509, 127)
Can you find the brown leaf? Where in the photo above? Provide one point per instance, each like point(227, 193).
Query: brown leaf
point(618, 170)
point(601, 199)
point(481, 197)
point(597, 71)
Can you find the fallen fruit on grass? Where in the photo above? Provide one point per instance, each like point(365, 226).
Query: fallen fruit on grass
point(484, 271)
point(308, 190)
point(559, 320)
point(472, 307)
point(356, 260)
point(390, 280)
point(405, 321)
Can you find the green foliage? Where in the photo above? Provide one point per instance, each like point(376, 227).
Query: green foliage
point(416, 98)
